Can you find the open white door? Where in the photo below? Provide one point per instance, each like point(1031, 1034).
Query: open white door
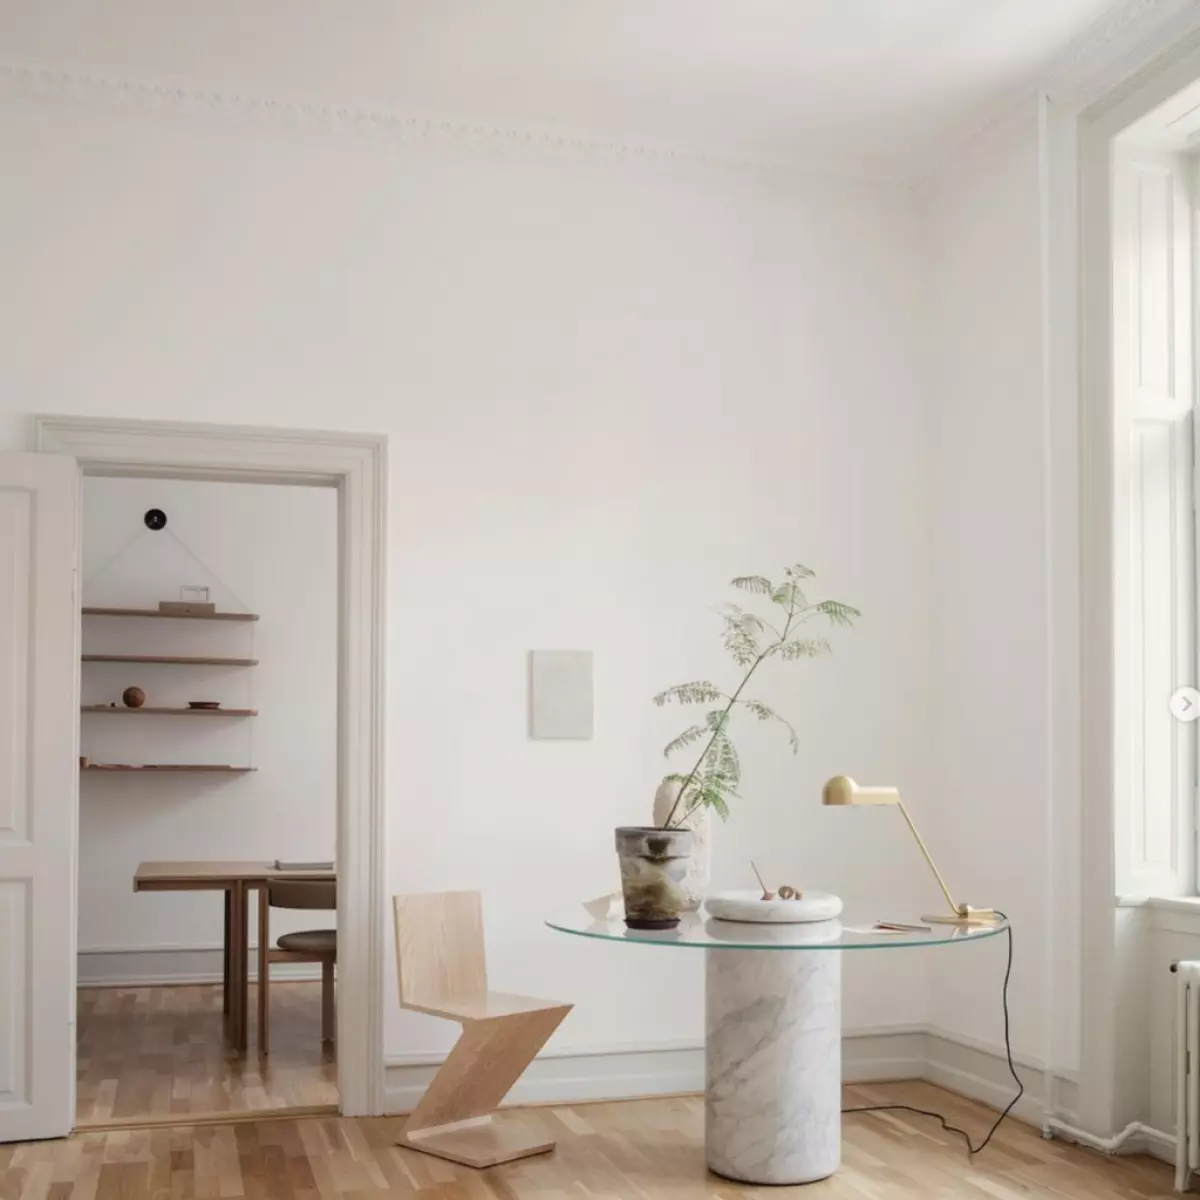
point(39, 780)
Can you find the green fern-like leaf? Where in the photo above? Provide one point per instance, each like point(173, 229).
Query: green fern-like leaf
point(728, 762)
point(789, 597)
point(803, 648)
point(742, 631)
point(757, 584)
point(800, 571)
point(692, 734)
point(699, 691)
point(717, 801)
point(837, 612)
point(765, 713)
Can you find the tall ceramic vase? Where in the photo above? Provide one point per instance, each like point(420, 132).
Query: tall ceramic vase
point(696, 879)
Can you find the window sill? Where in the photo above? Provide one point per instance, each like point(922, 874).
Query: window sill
point(1167, 914)
point(1182, 904)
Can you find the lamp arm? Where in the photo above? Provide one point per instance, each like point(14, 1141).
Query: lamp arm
point(928, 857)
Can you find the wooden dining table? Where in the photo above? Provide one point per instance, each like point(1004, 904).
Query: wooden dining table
point(236, 880)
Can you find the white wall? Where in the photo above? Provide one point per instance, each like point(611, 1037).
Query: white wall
point(608, 389)
point(270, 550)
point(998, 650)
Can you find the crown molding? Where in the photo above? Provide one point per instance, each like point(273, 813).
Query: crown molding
point(55, 86)
point(1115, 46)
point(1110, 50)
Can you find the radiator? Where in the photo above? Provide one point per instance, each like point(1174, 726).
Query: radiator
point(1187, 1072)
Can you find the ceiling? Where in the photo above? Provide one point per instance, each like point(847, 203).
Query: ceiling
point(868, 80)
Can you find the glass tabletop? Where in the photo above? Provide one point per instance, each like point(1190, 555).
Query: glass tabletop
point(701, 932)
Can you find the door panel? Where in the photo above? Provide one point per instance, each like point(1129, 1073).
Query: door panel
point(39, 779)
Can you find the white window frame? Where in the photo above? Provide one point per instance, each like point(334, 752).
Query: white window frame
point(1155, 818)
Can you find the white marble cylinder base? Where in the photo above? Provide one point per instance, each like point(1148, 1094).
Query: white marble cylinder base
point(773, 1105)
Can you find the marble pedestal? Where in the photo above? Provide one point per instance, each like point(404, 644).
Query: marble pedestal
point(773, 1101)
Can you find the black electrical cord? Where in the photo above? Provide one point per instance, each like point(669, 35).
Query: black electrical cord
point(962, 1133)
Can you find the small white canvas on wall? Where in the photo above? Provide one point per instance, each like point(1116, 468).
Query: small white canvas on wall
point(560, 694)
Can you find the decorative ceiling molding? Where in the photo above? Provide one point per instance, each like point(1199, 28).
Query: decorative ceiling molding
point(1115, 46)
point(1109, 51)
point(46, 86)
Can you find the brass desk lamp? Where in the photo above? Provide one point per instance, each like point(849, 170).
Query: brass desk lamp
point(843, 790)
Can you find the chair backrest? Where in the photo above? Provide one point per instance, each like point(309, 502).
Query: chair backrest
point(302, 893)
point(439, 947)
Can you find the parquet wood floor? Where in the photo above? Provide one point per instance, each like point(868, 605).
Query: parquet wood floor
point(632, 1150)
point(155, 1051)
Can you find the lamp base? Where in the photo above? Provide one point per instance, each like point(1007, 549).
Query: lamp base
point(966, 915)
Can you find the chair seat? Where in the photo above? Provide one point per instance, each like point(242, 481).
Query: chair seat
point(310, 941)
point(482, 1008)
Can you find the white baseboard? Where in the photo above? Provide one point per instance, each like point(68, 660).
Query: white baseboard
point(154, 966)
point(1158, 1145)
point(616, 1072)
point(619, 1072)
point(980, 1071)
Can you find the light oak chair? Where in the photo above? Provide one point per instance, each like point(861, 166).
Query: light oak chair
point(442, 969)
point(304, 946)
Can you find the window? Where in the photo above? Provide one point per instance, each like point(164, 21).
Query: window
point(1154, 519)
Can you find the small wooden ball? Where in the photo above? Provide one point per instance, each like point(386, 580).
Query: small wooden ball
point(133, 697)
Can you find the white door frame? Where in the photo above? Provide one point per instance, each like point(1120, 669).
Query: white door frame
point(356, 464)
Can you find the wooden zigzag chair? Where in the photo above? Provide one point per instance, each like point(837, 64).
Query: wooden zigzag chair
point(442, 970)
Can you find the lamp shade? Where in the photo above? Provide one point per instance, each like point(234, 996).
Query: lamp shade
point(841, 789)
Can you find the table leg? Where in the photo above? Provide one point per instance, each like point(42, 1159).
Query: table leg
point(773, 1101)
point(237, 969)
point(225, 955)
point(264, 967)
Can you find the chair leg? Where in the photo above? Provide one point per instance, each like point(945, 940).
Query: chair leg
point(486, 1061)
point(264, 973)
point(328, 1014)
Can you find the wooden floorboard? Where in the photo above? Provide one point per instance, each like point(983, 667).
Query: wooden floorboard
point(160, 1052)
point(631, 1150)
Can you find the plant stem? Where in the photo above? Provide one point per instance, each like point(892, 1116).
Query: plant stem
point(687, 783)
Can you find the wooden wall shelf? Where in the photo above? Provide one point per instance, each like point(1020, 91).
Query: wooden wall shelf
point(168, 712)
point(169, 768)
point(172, 616)
point(177, 660)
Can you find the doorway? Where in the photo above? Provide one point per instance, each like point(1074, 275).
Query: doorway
point(354, 467)
point(208, 734)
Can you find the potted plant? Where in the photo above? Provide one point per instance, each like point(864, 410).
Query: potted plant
point(655, 859)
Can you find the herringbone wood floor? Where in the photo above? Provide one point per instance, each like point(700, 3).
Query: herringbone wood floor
point(633, 1150)
point(156, 1051)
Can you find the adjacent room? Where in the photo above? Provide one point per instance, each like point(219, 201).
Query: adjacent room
point(598, 598)
point(208, 736)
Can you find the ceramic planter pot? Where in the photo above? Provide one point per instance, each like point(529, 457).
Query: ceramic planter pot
point(654, 864)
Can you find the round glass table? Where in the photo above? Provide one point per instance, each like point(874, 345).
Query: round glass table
point(773, 1036)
